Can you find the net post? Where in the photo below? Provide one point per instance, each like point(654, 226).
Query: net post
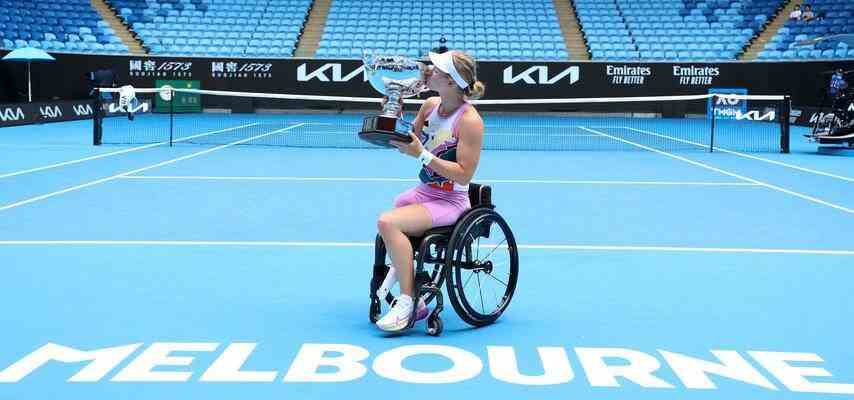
point(171, 113)
point(712, 136)
point(785, 113)
point(97, 132)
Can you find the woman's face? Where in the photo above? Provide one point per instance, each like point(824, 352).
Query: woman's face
point(436, 79)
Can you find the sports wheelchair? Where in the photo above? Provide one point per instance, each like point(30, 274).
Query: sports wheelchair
point(478, 250)
point(837, 126)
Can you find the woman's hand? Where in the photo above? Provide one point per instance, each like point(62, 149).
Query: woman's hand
point(412, 148)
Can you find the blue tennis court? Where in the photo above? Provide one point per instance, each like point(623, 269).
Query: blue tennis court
point(224, 271)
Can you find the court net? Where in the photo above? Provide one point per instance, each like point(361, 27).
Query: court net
point(703, 122)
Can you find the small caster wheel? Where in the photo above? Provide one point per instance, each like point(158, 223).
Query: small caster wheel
point(434, 326)
point(375, 311)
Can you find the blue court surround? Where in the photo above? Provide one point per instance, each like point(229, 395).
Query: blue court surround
point(635, 250)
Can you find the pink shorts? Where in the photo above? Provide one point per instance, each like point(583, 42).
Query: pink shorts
point(444, 207)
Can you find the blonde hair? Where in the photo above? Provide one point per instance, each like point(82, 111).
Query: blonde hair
point(467, 67)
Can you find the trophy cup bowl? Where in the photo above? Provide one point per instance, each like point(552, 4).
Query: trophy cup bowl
point(397, 78)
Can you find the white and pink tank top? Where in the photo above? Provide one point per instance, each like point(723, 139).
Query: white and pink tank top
point(440, 137)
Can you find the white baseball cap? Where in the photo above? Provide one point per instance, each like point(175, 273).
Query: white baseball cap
point(445, 62)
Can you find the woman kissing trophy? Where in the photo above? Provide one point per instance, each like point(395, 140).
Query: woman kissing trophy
point(397, 78)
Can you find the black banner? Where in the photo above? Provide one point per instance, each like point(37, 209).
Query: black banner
point(805, 82)
point(43, 112)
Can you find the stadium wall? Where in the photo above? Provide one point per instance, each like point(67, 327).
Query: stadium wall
point(65, 79)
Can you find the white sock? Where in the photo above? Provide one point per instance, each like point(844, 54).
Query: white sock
point(388, 283)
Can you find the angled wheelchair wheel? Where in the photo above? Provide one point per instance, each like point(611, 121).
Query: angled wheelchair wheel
point(481, 267)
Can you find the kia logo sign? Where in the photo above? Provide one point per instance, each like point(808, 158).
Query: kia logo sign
point(755, 116)
point(11, 114)
point(539, 75)
point(335, 71)
point(50, 112)
point(82, 109)
point(141, 107)
point(45, 112)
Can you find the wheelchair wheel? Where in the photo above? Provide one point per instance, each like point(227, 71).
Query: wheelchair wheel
point(482, 267)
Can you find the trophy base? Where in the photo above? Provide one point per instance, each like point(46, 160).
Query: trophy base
point(381, 129)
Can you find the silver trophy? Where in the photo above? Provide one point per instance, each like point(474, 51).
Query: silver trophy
point(396, 77)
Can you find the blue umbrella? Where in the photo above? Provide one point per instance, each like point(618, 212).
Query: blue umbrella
point(28, 54)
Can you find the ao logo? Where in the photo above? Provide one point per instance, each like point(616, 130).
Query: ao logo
point(727, 101)
point(851, 107)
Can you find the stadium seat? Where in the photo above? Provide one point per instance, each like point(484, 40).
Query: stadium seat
point(836, 20)
point(520, 28)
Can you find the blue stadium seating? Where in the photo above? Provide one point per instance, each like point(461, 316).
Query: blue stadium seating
point(487, 29)
point(56, 25)
point(690, 30)
point(232, 28)
point(837, 18)
point(673, 30)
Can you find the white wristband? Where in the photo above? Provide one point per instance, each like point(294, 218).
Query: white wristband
point(425, 157)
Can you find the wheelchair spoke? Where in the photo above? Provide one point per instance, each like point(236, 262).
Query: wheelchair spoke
point(482, 307)
point(493, 250)
point(477, 253)
point(499, 264)
point(495, 296)
point(498, 280)
point(467, 280)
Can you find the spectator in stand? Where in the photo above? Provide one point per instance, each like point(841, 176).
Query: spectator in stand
point(808, 15)
point(795, 15)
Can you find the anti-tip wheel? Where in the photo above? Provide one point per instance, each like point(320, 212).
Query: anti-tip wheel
point(434, 326)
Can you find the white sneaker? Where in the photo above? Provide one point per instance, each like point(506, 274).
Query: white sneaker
point(401, 310)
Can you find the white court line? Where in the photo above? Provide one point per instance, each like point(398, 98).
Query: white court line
point(358, 179)
point(167, 162)
point(734, 175)
point(42, 146)
point(115, 153)
point(782, 164)
point(676, 249)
